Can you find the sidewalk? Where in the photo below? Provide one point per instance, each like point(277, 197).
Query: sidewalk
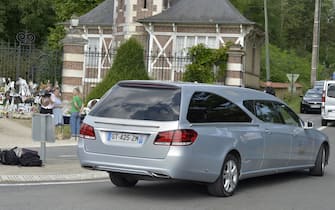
point(14, 134)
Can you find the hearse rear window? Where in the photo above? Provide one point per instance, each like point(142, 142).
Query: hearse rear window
point(140, 102)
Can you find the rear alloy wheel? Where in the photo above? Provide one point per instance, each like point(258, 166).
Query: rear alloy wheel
point(227, 182)
point(324, 122)
point(320, 163)
point(121, 180)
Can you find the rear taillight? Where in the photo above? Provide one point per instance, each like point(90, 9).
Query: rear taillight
point(323, 99)
point(181, 137)
point(87, 132)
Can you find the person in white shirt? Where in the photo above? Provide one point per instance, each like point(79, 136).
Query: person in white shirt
point(58, 106)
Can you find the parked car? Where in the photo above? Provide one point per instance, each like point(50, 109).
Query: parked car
point(211, 134)
point(328, 102)
point(311, 101)
point(319, 84)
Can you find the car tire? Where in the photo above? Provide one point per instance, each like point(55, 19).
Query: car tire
point(121, 180)
point(227, 182)
point(324, 122)
point(320, 163)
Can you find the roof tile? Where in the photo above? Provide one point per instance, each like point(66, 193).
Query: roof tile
point(200, 12)
point(101, 15)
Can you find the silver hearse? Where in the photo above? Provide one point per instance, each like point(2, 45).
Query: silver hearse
point(211, 134)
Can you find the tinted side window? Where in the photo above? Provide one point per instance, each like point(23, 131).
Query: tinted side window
point(208, 107)
point(288, 116)
point(331, 91)
point(267, 112)
point(250, 105)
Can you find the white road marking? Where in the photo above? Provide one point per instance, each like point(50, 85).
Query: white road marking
point(54, 183)
point(322, 128)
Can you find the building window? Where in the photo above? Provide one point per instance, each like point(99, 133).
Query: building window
point(145, 4)
point(183, 43)
point(166, 4)
point(93, 52)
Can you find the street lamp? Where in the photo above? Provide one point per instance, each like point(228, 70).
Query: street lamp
point(74, 21)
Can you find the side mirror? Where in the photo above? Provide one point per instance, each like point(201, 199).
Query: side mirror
point(308, 125)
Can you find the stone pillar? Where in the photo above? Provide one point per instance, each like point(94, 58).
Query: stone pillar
point(73, 63)
point(234, 73)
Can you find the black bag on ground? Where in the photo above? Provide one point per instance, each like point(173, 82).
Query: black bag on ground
point(30, 158)
point(9, 157)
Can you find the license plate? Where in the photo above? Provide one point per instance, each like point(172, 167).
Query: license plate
point(125, 138)
point(316, 106)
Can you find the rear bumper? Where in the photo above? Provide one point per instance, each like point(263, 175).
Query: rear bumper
point(310, 108)
point(328, 118)
point(178, 164)
point(326, 115)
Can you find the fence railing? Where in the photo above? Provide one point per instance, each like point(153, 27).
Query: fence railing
point(29, 63)
point(160, 66)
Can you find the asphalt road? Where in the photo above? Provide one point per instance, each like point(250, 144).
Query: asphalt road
point(290, 191)
point(64, 152)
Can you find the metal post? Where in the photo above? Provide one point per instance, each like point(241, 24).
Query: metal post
point(316, 41)
point(18, 64)
point(292, 81)
point(267, 53)
point(43, 151)
point(43, 131)
point(43, 142)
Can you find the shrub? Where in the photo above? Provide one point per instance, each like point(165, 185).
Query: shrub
point(128, 65)
point(203, 60)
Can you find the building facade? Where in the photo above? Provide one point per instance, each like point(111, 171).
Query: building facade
point(167, 29)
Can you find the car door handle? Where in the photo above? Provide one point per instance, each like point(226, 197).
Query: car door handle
point(267, 131)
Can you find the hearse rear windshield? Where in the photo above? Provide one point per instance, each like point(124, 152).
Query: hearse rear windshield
point(140, 101)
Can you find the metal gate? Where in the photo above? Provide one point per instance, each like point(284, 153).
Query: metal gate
point(22, 59)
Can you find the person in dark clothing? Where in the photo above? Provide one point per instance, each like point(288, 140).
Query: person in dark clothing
point(46, 101)
point(269, 89)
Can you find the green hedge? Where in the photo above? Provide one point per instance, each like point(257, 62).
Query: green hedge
point(128, 65)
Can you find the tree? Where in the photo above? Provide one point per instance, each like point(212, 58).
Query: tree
point(2, 18)
point(64, 10)
point(291, 28)
point(128, 65)
point(286, 62)
point(34, 16)
point(327, 40)
point(203, 61)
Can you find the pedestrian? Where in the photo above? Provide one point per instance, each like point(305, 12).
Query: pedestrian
point(46, 103)
point(58, 112)
point(269, 89)
point(76, 106)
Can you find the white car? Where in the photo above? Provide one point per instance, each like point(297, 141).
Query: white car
point(328, 102)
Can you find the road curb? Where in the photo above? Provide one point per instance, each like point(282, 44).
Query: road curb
point(4, 179)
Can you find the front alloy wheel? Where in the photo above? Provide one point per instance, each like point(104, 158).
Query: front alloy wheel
point(320, 163)
point(227, 182)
